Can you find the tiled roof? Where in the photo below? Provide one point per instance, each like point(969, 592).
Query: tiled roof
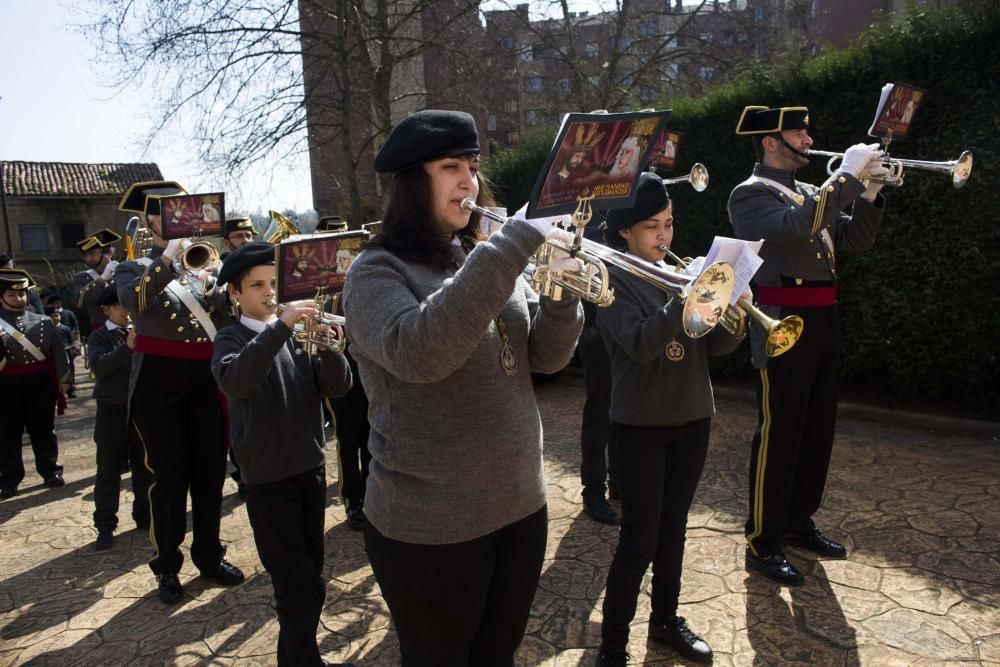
point(74, 179)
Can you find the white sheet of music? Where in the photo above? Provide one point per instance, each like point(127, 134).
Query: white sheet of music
point(741, 255)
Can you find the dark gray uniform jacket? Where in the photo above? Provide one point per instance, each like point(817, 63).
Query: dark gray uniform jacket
point(40, 330)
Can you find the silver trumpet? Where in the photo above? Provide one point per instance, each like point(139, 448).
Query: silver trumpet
point(697, 177)
point(319, 331)
point(960, 170)
point(781, 335)
point(705, 297)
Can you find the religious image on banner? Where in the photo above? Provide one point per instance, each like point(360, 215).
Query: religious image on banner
point(664, 155)
point(595, 155)
point(192, 216)
point(306, 263)
point(896, 106)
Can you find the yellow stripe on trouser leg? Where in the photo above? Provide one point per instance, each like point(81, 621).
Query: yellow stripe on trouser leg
point(149, 491)
point(758, 495)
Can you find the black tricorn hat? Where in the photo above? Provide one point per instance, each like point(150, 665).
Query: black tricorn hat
point(109, 295)
point(102, 238)
point(15, 279)
point(764, 120)
point(331, 223)
point(650, 198)
point(143, 197)
point(245, 258)
point(424, 136)
point(239, 224)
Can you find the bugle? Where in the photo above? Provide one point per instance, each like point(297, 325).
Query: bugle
point(697, 177)
point(705, 296)
point(781, 335)
point(960, 170)
point(309, 331)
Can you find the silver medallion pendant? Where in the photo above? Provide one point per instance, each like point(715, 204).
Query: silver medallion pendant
point(675, 351)
point(508, 360)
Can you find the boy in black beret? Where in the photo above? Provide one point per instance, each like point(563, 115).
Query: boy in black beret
point(110, 350)
point(275, 395)
point(67, 318)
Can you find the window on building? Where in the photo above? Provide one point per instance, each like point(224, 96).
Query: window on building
point(647, 95)
point(537, 52)
point(533, 84)
point(527, 53)
point(672, 72)
point(706, 73)
point(510, 106)
point(562, 87)
point(561, 54)
point(491, 123)
point(508, 43)
point(511, 136)
point(758, 13)
point(70, 233)
point(595, 81)
point(705, 38)
point(592, 51)
point(623, 43)
point(35, 238)
point(672, 42)
point(533, 117)
point(648, 30)
point(729, 38)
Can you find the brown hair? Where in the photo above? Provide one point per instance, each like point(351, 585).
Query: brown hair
point(407, 230)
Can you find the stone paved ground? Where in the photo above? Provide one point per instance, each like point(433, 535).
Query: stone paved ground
point(920, 513)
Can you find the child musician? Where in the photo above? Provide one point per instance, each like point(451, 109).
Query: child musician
point(275, 405)
point(661, 409)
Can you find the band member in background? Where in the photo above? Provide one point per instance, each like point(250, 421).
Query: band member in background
point(239, 230)
point(257, 367)
point(173, 400)
point(353, 430)
point(34, 300)
point(446, 335)
point(597, 447)
point(66, 319)
point(33, 375)
point(98, 254)
point(331, 223)
point(661, 409)
point(804, 228)
point(110, 350)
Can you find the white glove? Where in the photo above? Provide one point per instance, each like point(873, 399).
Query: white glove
point(173, 248)
point(561, 261)
point(543, 225)
point(109, 271)
point(875, 172)
point(857, 158)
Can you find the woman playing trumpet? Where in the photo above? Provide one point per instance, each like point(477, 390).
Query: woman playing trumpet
point(661, 407)
point(446, 333)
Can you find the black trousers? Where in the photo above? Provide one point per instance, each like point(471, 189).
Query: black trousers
point(288, 523)
point(351, 418)
point(659, 469)
point(797, 411)
point(461, 604)
point(28, 403)
point(595, 429)
point(179, 422)
point(116, 442)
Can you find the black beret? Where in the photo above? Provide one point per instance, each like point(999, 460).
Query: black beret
point(244, 258)
point(424, 136)
point(109, 295)
point(650, 198)
point(52, 298)
point(762, 120)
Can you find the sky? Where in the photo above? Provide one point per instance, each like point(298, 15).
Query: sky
point(54, 107)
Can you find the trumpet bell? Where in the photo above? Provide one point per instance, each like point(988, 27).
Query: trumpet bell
point(279, 229)
point(963, 169)
point(699, 177)
point(783, 335)
point(708, 299)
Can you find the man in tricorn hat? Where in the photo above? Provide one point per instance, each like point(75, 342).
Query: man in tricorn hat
point(98, 253)
point(173, 401)
point(33, 372)
point(239, 230)
point(331, 223)
point(803, 228)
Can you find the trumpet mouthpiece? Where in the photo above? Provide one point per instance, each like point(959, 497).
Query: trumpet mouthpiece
point(468, 203)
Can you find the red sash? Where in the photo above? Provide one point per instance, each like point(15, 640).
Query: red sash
point(44, 366)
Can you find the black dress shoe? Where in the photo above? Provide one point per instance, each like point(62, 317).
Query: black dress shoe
point(8, 492)
point(681, 638)
point(170, 588)
point(105, 538)
point(225, 573)
point(817, 543)
point(356, 518)
point(55, 480)
point(775, 567)
point(597, 507)
point(612, 658)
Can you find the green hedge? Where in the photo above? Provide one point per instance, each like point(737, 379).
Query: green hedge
point(921, 310)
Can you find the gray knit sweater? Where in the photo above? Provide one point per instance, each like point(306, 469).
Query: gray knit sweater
point(456, 444)
point(647, 388)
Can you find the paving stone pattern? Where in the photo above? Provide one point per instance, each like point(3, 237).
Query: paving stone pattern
point(919, 512)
